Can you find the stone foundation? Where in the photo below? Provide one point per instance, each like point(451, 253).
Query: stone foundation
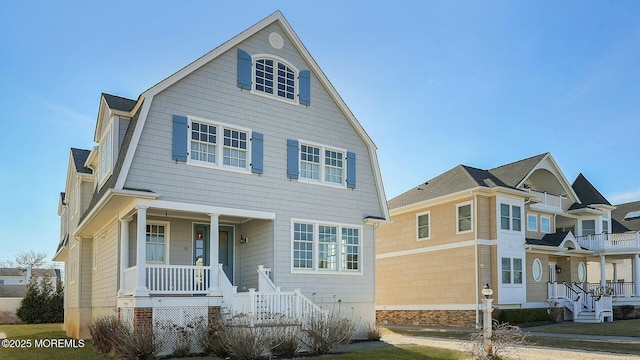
point(454, 318)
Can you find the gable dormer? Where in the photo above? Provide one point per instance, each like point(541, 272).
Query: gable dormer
point(114, 114)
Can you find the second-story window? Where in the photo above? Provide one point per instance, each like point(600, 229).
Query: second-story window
point(423, 221)
point(510, 217)
point(218, 145)
point(464, 218)
point(322, 164)
point(588, 227)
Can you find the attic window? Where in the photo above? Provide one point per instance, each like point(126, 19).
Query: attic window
point(632, 215)
point(275, 78)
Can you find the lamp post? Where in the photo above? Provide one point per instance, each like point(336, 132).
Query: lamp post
point(487, 324)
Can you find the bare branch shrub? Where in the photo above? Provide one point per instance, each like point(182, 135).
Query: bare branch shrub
point(286, 340)
point(109, 334)
point(504, 343)
point(103, 330)
point(372, 332)
point(210, 337)
point(243, 340)
point(325, 333)
point(9, 317)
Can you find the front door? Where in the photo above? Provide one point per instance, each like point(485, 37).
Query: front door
point(225, 247)
point(552, 272)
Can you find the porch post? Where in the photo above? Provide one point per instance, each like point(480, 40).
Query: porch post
point(636, 272)
point(124, 252)
point(141, 253)
point(603, 272)
point(214, 285)
point(615, 272)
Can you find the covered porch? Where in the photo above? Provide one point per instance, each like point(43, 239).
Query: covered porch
point(177, 249)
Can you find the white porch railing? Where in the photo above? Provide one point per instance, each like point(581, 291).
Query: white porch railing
point(619, 289)
point(599, 242)
point(580, 299)
point(177, 279)
point(269, 304)
point(547, 199)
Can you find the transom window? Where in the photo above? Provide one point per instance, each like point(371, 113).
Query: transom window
point(322, 164)
point(510, 217)
point(207, 149)
point(276, 78)
point(326, 247)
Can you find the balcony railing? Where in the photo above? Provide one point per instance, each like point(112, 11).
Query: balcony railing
point(600, 242)
point(547, 199)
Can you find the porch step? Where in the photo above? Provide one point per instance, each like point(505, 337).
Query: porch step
point(587, 317)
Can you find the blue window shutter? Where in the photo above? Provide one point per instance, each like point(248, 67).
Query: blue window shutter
point(351, 170)
point(244, 70)
point(292, 159)
point(179, 138)
point(305, 87)
point(257, 153)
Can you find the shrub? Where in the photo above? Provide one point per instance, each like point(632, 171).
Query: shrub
point(103, 330)
point(325, 333)
point(8, 317)
point(244, 341)
point(110, 334)
point(210, 337)
point(286, 340)
point(41, 304)
point(522, 316)
point(372, 331)
point(503, 344)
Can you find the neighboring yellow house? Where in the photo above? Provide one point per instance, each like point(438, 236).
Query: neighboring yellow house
point(521, 227)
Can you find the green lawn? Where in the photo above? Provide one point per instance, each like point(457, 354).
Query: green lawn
point(30, 339)
point(29, 336)
point(629, 328)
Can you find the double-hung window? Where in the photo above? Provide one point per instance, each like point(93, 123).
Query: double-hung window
point(510, 217)
point(511, 271)
point(325, 247)
point(423, 221)
point(218, 145)
point(322, 164)
point(545, 224)
point(588, 227)
point(532, 222)
point(464, 217)
point(157, 241)
point(106, 150)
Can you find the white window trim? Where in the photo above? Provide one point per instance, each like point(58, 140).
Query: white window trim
point(548, 218)
point(510, 217)
point(315, 258)
point(418, 238)
point(533, 266)
point(220, 126)
point(512, 284)
point(296, 76)
point(73, 262)
point(110, 129)
point(536, 217)
point(458, 206)
point(321, 180)
point(582, 272)
point(167, 241)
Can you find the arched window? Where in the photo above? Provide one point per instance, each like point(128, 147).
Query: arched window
point(275, 77)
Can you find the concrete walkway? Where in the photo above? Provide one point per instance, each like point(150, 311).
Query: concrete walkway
point(389, 338)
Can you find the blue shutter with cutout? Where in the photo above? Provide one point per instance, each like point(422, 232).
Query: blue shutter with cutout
point(292, 159)
point(244, 70)
point(257, 153)
point(180, 129)
point(351, 170)
point(305, 87)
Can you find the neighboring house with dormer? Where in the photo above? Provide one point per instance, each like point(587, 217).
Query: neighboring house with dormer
point(239, 183)
point(521, 227)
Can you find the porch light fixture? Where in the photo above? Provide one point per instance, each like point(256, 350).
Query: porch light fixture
point(487, 291)
point(558, 270)
point(243, 239)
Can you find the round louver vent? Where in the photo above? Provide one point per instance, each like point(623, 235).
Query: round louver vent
point(276, 41)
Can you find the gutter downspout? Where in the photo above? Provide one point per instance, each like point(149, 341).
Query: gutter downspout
point(475, 231)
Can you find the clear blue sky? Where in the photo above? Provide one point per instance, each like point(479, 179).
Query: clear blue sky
point(436, 84)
